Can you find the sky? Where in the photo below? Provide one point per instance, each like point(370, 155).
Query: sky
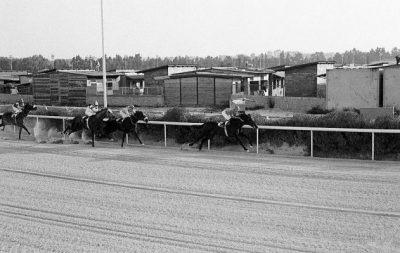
point(168, 28)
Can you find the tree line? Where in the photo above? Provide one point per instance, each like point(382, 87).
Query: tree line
point(137, 62)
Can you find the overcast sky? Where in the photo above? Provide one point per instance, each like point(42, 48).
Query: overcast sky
point(67, 28)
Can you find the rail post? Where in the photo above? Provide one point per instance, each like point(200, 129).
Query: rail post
point(165, 134)
point(63, 128)
point(373, 146)
point(257, 140)
point(312, 143)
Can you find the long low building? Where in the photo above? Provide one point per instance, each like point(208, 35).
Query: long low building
point(70, 87)
point(212, 86)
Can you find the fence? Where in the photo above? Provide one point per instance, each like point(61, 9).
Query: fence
point(311, 129)
point(147, 91)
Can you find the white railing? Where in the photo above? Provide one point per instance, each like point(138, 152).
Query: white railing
point(311, 129)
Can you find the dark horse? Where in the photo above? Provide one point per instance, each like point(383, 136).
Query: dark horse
point(126, 126)
point(233, 129)
point(7, 119)
point(93, 123)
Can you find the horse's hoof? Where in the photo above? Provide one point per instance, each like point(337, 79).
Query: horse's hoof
point(248, 151)
point(142, 144)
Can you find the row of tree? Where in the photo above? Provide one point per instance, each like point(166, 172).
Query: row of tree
point(38, 62)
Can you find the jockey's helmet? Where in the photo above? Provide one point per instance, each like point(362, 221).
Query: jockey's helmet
point(21, 101)
point(96, 103)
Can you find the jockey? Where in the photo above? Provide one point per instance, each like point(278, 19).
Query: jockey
point(17, 107)
point(238, 106)
point(92, 109)
point(127, 111)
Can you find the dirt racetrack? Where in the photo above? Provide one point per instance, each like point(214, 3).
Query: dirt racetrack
point(75, 198)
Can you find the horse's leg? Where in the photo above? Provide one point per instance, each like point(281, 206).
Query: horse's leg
point(202, 142)
point(123, 139)
point(66, 129)
point(2, 125)
point(24, 127)
point(240, 142)
point(20, 130)
point(137, 136)
point(93, 138)
point(198, 139)
point(247, 137)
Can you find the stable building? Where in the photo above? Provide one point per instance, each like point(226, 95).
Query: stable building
point(303, 80)
point(204, 87)
point(71, 87)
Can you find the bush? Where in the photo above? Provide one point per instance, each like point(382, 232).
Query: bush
point(318, 110)
point(271, 103)
point(256, 107)
point(176, 114)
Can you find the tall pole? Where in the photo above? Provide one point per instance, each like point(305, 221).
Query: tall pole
point(104, 59)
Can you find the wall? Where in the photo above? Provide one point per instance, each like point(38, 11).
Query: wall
point(391, 87)
point(301, 81)
point(57, 88)
point(12, 98)
point(352, 88)
point(197, 91)
point(151, 101)
point(293, 104)
point(149, 77)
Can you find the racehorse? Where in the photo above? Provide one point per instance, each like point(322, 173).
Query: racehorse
point(7, 119)
point(233, 129)
point(126, 125)
point(93, 123)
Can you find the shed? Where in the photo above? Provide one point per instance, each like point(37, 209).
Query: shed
point(202, 87)
point(164, 70)
point(302, 80)
point(69, 87)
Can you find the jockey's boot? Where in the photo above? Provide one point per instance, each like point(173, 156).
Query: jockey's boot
point(222, 123)
point(14, 116)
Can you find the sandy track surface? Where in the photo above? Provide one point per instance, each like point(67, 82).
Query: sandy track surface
point(74, 198)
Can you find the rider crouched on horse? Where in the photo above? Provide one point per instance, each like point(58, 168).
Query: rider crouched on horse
point(238, 106)
point(127, 111)
point(92, 109)
point(17, 107)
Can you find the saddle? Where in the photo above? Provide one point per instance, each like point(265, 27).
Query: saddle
point(226, 123)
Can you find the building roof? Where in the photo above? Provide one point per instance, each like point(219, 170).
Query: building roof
point(238, 70)
point(210, 73)
point(284, 68)
point(135, 77)
point(90, 73)
point(166, 66)
point(11, 73)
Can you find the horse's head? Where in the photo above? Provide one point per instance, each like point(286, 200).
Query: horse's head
point(139, 115)
point(247, 120)
point(29, 107)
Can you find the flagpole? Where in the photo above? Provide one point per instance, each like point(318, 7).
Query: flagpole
point(104, 59)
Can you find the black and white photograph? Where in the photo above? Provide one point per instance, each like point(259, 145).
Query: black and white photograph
point(200, 126)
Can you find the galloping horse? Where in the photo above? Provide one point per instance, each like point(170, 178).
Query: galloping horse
point(93, 123)
point(233, 128)
point(127, 125)
point(7, 119)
